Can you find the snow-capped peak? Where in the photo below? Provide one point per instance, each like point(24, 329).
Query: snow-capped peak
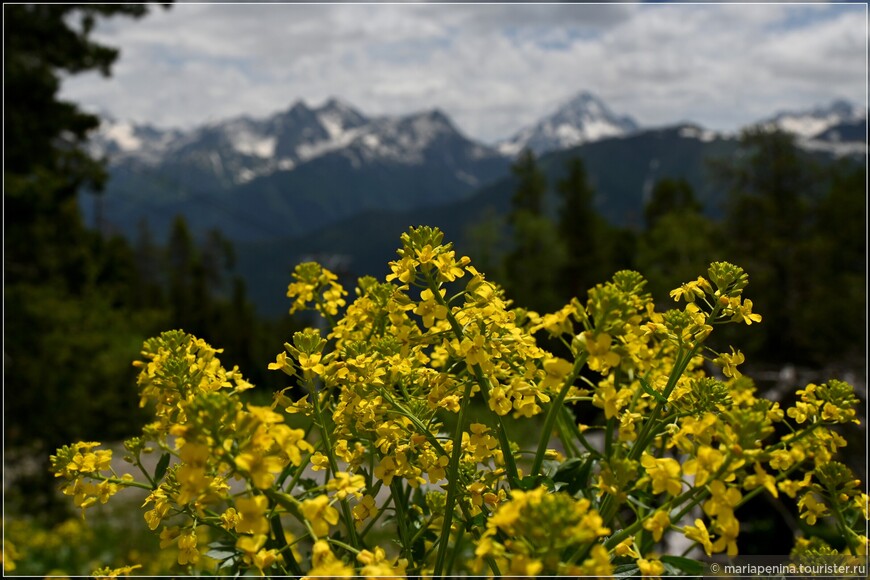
point(337, 117)
point(402, 139)
point(809, 123)
point(124, 139)
point(582, 119)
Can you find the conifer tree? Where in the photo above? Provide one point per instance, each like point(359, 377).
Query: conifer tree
point(772, 189)
point(532, 267)
point(582, 231)
point(679, 239)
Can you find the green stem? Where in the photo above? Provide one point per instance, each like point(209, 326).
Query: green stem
point(340, 544)
point(144, 472)
point(297, 475)
point(452, 483)
point(281, 542)
point(553, 411)
point(570, 422)
point(649, 428)
point(455, 551)
point(125, 482)
point(509, 460)
point(333, 464)
point(563, 431)
point(402, 520)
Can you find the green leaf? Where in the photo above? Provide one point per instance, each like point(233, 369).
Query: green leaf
point(687, 565)
point(478, 521)
point(532, 481)
point(574, 473)
point(160, 471)
point(218, 554)
point(626, 571)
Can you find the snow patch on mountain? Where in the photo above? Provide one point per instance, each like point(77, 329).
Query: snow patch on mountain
point(838, 128)
point(124, 136)
point(699, 133)
point(254, 145)
point(338, 140)
point(811, 122)
point(117, 139)
point(583, 119)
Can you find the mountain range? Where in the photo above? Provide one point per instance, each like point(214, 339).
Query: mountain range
point(330, 181)
point(287, 174)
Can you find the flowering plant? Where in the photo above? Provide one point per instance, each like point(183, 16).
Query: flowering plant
point(390, 475)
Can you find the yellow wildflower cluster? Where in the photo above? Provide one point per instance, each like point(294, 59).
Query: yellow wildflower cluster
point(389, 390)
point(530, 534)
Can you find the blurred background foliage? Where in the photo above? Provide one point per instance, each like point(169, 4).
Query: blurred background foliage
point(78, 304)
point(794, 223)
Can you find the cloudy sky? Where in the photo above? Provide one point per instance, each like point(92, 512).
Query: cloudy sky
point(492, 67)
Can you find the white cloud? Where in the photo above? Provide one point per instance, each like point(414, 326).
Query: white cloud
point(493, 68)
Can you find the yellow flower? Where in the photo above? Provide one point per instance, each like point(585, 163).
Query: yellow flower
point(255, 555)
point(253, 515)
point(625, 548)
point(310, 363)
point(690, 290)
point(105, 572)
point(727, 526)
point(730, 362)
point(429, 309)
point(611, 400)
point(657, 524)
point(404, 270)
point(320, 514)
point(187, 552)
point(761, 479)
point(161, 507)
point(706, 462)
point(811, 508)
point(601, 358)
point(448, 268)
point(722, 500)
point(334, 569)
point(319, 462)
point(791, 487)
point(230, 518)
point(346, 484)
point(291, 442)
point(699, 533)
point(365, 509)
point(508, 513)
point(598, 563)
point(386, 470)
point(260, 468)
point(650, 567)
point(499, 402)
point(376, 565)
point(781, 460)
point(556, 370)
point(664, 473)
point(425, 254)
point(325, 564)
point(475, 351)
point(522, 565)
point(743, 313)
